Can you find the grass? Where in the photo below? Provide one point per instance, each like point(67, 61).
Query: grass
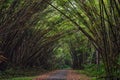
point(93, 71)
point(20, 78)
point(20, 74)
point(23, 78)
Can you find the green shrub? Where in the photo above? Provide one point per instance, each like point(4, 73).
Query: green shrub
point(95, 70)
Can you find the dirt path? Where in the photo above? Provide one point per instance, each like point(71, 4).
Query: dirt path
point(62, 75)
point(58, 75)
point(72, 75)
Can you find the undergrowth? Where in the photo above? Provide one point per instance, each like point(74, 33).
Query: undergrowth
point(21, 74)
point(94, 71)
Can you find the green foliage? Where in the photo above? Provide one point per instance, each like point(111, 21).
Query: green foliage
point(99, 21)
point(63, 57)
point(93, 70)
point(18, 73)
point(33, 33)
point(23, 78)
point(61, 2)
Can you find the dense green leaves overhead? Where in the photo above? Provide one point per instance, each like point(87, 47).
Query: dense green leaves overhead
point(99, 22)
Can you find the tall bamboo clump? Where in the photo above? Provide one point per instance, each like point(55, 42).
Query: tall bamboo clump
point(27, 36)
point(99, 20)
point(24, 34)
point(110, 31)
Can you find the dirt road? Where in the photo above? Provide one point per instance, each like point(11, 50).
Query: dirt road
point(63, 75)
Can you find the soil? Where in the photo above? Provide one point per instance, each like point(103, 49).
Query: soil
point(62, 75)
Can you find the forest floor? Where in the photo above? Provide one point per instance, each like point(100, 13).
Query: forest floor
point(63, 75)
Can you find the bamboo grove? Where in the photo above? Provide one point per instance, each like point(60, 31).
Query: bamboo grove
point(99, 20)
point(24, 41)
point(31, 29)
